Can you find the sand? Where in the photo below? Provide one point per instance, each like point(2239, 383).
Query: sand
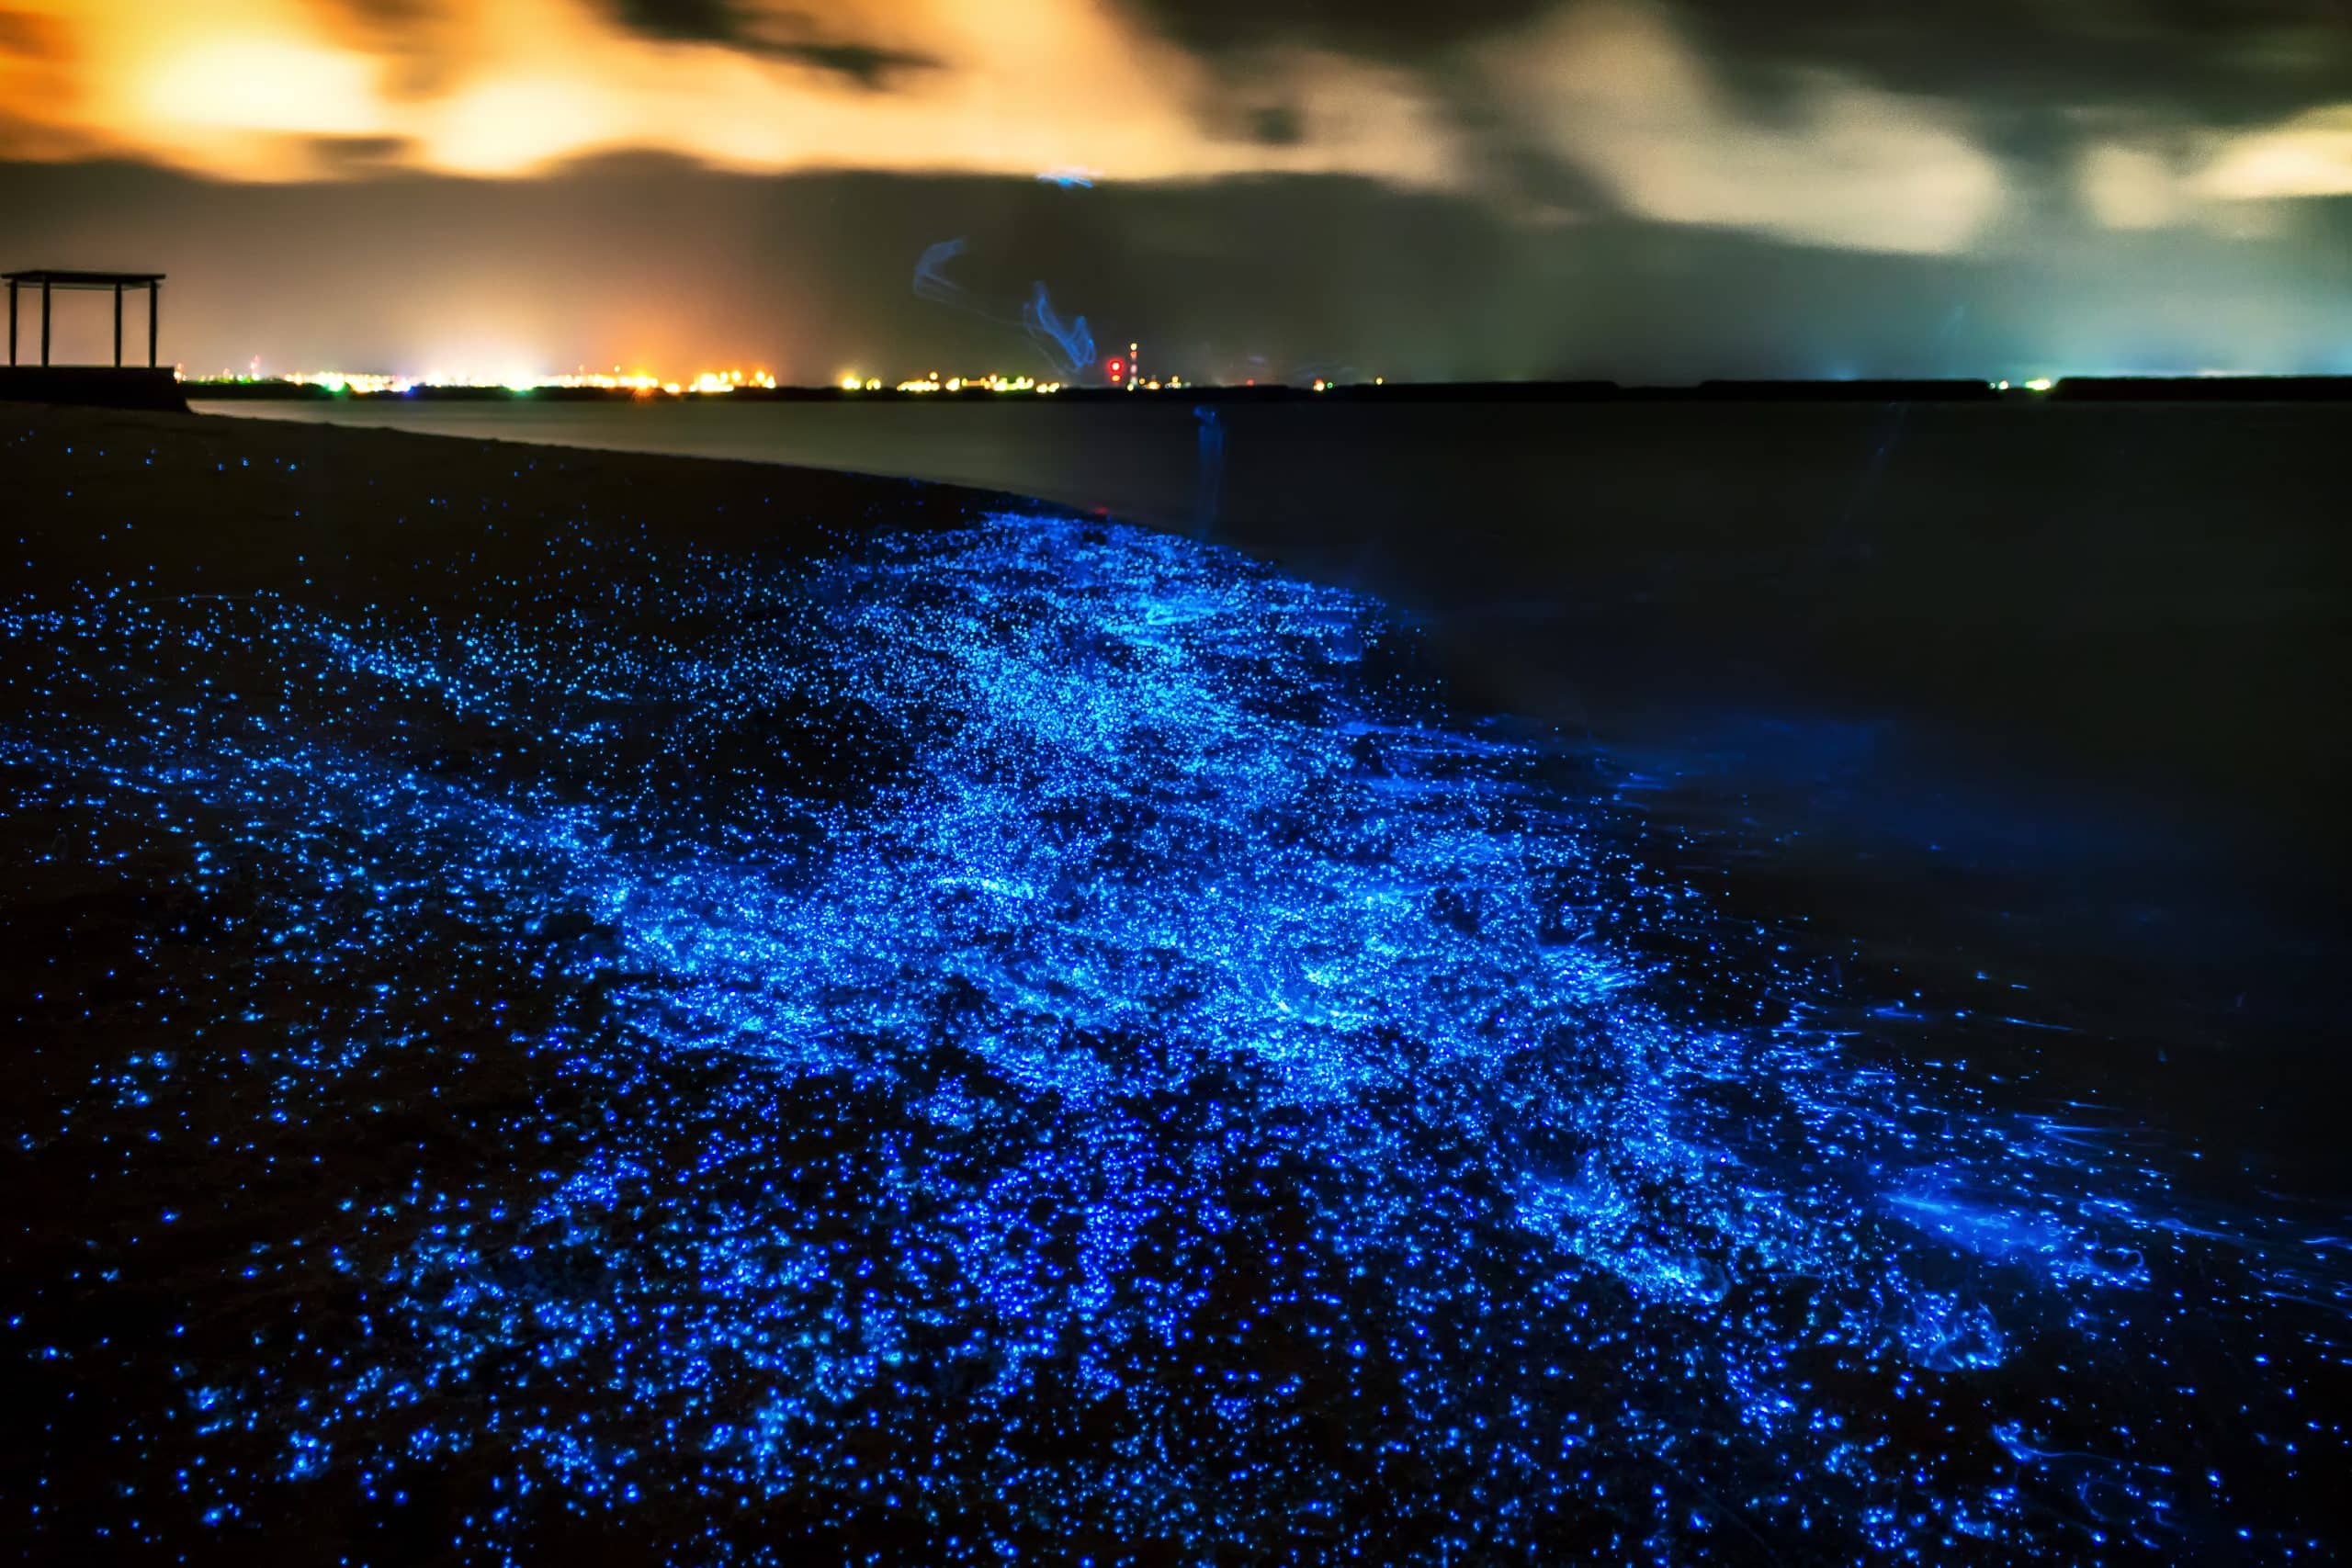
point(168, 504)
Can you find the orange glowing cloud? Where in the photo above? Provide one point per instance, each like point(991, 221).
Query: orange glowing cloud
point(267, 89)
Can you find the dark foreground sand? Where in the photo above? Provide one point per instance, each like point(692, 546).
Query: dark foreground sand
point(168, 504)
point(668, 1010)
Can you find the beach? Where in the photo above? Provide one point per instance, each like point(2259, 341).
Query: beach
point(608, 1000)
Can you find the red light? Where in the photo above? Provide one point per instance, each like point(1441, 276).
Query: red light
point(1118, 368)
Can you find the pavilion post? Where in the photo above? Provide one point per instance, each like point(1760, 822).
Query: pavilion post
point(154, 314)
point(12, 320)
point(44, 324)
point(118, 326)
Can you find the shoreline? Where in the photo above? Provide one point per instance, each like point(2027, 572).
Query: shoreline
point(2193, 390)
point(359, 515)
point(487, 917)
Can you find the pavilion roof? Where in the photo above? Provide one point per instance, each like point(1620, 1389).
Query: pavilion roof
point(57, 279)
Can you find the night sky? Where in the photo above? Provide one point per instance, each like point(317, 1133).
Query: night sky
point(1278, 188)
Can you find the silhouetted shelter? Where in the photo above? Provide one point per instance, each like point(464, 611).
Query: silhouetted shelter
point(117, 281)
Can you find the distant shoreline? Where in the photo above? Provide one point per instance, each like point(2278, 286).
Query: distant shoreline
point(158, 391)
point(2080, 388)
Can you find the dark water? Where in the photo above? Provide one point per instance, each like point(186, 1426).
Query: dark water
point(1046, 1037)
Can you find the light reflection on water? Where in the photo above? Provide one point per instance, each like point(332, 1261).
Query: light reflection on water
point(1053, 1037)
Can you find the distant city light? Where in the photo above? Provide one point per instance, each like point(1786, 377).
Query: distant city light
point(1125, 372)
point(934, 382)
point(354, 381)
point(706, 383)
point(711, 381)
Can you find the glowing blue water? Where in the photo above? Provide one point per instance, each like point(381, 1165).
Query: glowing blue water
point(1051, 1038)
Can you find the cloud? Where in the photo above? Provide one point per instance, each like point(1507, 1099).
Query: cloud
point(2230, 181)
point(1822, 122)
point(787, 34)
point(2131, 187)
point(2308, 155)
point(709, 21)
point(860, 63)
point(1400, 30)
point(1615, 91)
point(38, 76)
point(252, 89)
point(2235, 62)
